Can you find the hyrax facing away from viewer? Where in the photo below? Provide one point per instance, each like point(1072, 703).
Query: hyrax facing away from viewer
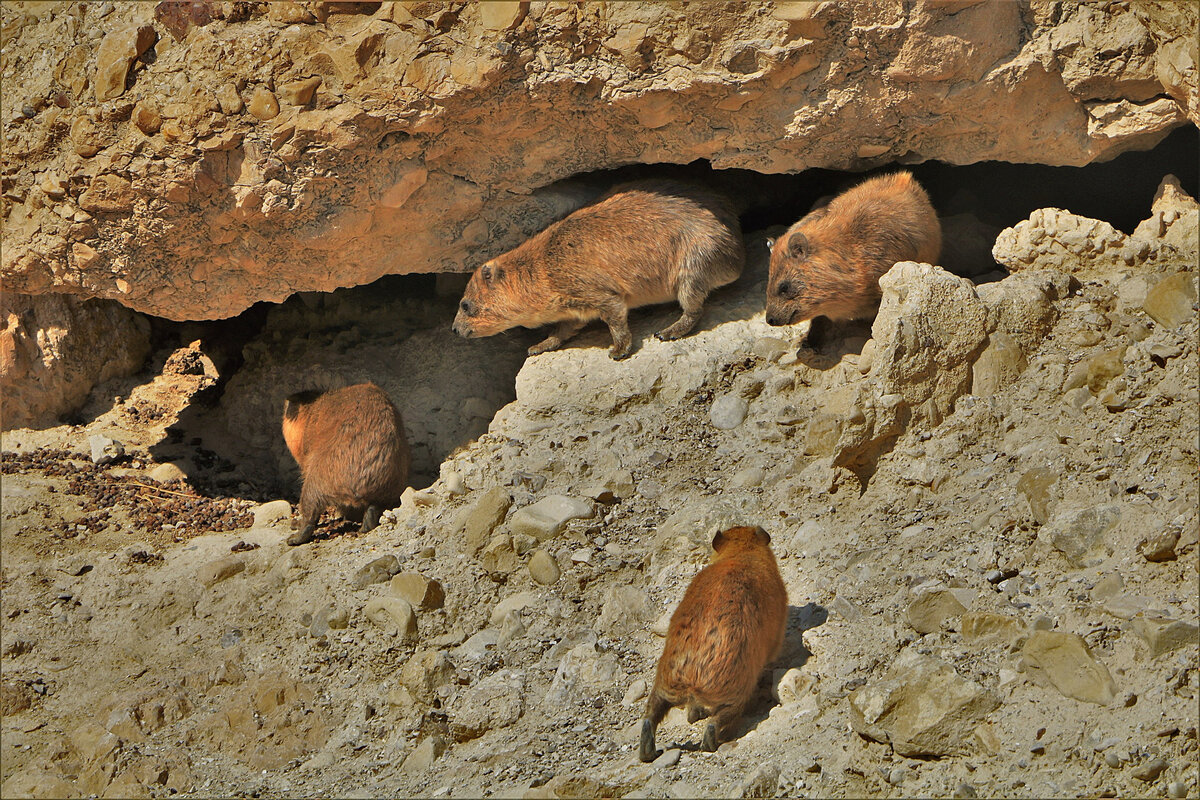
point(642, 243)
point(728, 626)
point(829, 263)
point(352, 453)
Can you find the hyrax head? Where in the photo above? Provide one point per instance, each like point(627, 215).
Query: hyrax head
point(491, 304)
point(790, 297)
point(293, 420)
point(742, 536)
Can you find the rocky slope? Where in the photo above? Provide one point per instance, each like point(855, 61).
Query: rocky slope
point(190, 159)
point(984, 507)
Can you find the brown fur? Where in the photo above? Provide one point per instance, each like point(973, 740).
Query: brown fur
point(642, 243)
point(829, 263)
point(352, 453)
point(729, 625)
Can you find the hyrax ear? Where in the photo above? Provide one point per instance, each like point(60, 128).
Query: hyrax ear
point(719, 541)
point(797, 245)
point(485, 272)
point(763, 537)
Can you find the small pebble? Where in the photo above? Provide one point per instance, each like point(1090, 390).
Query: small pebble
point(1150, 770)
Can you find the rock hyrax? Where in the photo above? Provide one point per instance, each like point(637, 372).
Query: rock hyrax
point(729, 625)
point(829, 263)
point(642, 243)
point(352, 453)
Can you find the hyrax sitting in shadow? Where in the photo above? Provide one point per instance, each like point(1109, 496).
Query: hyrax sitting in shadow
point(642, 243)
point(729, 625)
point(352, 453)
point(829, 263)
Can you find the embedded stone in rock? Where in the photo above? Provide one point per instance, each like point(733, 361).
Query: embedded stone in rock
point(1104, 367)
point(1064, 661)
point(1036, 484)
point(626, 609)
point(1172, 301)
point(425, 672)
point(495, 702)
point(500, 15)
point(1001, 363)
point(421, 758)
point(1056, 239)
point(376, 571)
point(549, 516)
point(393, 615)
point(1160, 546)
point(543, 568)
point(1164, 635)
point(931, 609)
point(478, 521)
point(300, 93)
point(514, 603)
point(107, 194)
point(263, 104)
point(1081, 534)
point(728, 411)
point(921, 707)
point(763, 781)
point(791, 686)
point(116, 53)
point(583, 668)
point(105, 450)
point(499, 555)
point(424, 593)
point(217, 571)
point(147, 116)
point(269, 514)
point(984, 625)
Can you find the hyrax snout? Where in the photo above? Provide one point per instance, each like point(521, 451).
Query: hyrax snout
point(642, 243)
point(729, 625)
point(352, 453)
point(829, 263)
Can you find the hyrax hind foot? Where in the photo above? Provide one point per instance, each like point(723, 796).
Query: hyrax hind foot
point(370, 519)
point(681, 327)
point(646, 750)
point(709, 743)
point(303, 536)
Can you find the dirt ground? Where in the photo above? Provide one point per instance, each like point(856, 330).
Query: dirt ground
point(997, 600)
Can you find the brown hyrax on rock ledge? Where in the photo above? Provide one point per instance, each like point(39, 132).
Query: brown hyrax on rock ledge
point(642, 243)
point(829, 263)
point(729, 625)
point(352, 453)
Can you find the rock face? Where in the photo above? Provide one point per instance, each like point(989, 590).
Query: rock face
point(55, 348)
point(193, 160)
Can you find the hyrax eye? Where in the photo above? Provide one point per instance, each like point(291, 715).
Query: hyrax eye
point(466, 307)
point(785, 289)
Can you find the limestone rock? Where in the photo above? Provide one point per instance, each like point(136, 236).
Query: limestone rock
point(1172, 301)
point(393, 615)
point(543, 568)
point(220, 570)
point(1064, 661)
point(108, 194)
point(477, 522)
point(1069, 87)
point(984, 626)
point(583, 669)
point(728, 411)
point(922, 707)
point(549, 516)
point(1164, 635)
point(104, 449)
point(271, 513)
point(495, 702)
point(626, 609)
point(930, 610)
point(421, 758)
point(424, 593)
point(425, 672)
point(375, 571)
point(1080, 534)
point(116, 54)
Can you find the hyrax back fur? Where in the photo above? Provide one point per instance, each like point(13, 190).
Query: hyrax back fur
point(352, 453)
point(830, 262)
point(642, 243)
point(729, 625)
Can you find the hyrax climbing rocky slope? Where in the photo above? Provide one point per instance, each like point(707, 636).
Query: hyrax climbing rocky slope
point(985, 517)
